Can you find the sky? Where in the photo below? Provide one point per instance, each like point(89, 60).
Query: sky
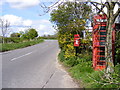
point(25, 14)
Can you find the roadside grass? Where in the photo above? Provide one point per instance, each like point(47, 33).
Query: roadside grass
point(80, 68)
point(12, 46)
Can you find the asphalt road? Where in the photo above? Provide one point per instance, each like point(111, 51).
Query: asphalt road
point(34, 67)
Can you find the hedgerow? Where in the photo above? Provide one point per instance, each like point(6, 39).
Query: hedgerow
point(12, 46)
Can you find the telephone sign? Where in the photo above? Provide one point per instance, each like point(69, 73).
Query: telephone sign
point(76, 40)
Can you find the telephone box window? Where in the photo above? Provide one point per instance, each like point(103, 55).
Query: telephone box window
point(102, 58)
point(102, 48)
point(102, 53)
point(102, 33)
point(102, 27)
point(102, 43)
point(102, 38)
point(101, 63)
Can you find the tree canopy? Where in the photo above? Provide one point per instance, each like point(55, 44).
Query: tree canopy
point(30, 34)
point(69, 22)
point(15, 35)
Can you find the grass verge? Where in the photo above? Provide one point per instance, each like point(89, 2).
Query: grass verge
point(80, 68)
point(12, 46)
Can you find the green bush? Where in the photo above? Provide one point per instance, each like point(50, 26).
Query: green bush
point(71, 61)
point(117, 56)
point(61, 56)
point(16, 39)
point(12, 46)
point(0, 39)
point(12, 39)
point(80, 68)
point(99, 80)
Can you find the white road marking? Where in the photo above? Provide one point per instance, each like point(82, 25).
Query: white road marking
point(21, 56)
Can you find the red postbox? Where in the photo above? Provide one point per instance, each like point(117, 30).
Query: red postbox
point(76, 40)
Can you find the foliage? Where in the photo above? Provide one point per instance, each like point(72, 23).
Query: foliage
point(101, 81)
point(30, 34)
point(69, 24)
point(12, 46)
point(15, 35)
point(12, 39)
point(117, 47)
point(1, 39)
point(48, 36)
point(80, 68)
point(20, 37)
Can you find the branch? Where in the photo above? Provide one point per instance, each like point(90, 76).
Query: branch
point(118, 3)
point(54, 4)
point(103, 4)
point(100, 10)
point(95, 5)
point(48, 8)
point(116, 14)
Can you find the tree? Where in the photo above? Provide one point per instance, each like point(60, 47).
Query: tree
point(69, 22)
point(15, 35)
point(111, 17)
point(4, 24)
point(32, 33)
point(110, 5)
point(29, 34)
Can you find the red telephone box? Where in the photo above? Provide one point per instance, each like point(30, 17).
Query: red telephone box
point(76, 40)
point(99, 38)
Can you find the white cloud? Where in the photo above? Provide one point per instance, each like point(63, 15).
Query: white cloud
point(20, 4)
point(43, 27)
point(16, 23)
point(27, 22)
point(16, 20)
point(46, 33)
point(21, 29)
point(19, 24)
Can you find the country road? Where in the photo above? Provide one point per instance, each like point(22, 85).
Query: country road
point(35, 67)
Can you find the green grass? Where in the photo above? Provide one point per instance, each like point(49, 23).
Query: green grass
point(80, 68)
point(12, 46)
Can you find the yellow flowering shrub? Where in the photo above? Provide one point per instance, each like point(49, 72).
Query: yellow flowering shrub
point(70, 51)
point(66, 37)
